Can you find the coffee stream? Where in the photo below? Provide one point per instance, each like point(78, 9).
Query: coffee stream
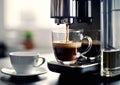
point(67, 33)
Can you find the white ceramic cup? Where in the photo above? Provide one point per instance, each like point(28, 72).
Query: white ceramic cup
point(25, 62)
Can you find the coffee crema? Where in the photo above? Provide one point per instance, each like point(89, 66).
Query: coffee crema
point(67, 44)
point(66, 51)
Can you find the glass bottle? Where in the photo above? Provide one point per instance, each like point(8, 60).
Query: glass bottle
point(110, 38)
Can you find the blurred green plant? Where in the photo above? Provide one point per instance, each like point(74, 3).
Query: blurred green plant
point(28, 35)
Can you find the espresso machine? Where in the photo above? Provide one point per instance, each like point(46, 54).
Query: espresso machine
point(68, 12)
point(84, 11)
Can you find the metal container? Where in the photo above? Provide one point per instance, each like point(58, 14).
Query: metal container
point(110, 38)
point(64, 11)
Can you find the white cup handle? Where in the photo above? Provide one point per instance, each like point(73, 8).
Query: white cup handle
point(39, 61)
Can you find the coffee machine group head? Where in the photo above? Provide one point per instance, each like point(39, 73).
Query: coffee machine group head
point(65, 11)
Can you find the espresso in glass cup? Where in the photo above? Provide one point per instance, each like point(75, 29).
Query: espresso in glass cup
point(67, 45)
point(93, 55)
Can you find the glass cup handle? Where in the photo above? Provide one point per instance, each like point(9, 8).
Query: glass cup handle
point(39, 61)
point(89, 44)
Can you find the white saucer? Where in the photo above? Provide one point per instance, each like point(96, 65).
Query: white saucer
point(12, 72)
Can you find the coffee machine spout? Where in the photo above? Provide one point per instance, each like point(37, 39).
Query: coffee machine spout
point(65, 11)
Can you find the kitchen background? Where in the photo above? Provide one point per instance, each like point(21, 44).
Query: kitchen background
point(22, 20)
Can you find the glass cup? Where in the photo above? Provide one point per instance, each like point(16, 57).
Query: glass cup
point(67, 45)
point(93, 55)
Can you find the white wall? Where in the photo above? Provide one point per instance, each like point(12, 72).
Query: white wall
point(13, 36)
point(16, 13)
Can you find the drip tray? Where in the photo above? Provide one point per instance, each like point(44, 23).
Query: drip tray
point(79, 69)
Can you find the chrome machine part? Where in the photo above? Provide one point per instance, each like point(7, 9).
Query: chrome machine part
point(65, 11)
